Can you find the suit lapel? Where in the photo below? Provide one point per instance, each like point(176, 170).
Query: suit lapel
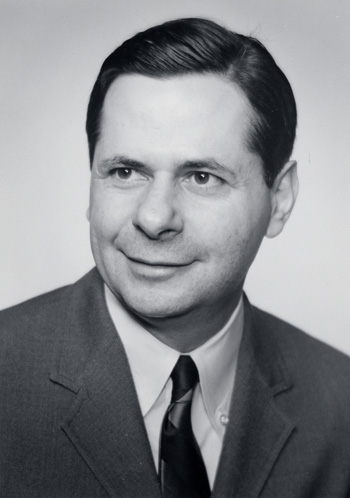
point(104, 423)
point(258, 430)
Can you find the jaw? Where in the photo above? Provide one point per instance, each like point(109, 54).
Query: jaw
point(167, 309)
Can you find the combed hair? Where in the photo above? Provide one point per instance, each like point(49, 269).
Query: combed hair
point(200, 46)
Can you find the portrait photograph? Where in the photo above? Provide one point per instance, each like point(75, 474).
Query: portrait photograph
point(174, 250)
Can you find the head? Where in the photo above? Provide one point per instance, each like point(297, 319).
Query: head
point(200, 46)
point(190, 130)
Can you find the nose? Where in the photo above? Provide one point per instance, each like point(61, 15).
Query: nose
point(158, 214)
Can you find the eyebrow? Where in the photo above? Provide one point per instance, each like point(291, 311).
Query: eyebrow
point(209, 164)
point(200, 164)
point(121, 161)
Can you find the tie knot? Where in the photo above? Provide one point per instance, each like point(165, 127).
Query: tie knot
point(184, 376)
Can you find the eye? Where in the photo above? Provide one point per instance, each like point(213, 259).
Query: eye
point(125, 176)
point(203, 181)
point(201, 178)
point(124, 173)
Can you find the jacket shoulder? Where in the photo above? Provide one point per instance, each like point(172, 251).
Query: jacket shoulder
point(292, 340)
point(311, 361)
point(282, 331)
point(41, 317)
point(29, 330)
point(32, 309)
point(44, 305)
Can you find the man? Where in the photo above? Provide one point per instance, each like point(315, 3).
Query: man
point(153, 375)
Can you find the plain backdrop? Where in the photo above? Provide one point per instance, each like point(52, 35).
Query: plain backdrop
point(51, 52)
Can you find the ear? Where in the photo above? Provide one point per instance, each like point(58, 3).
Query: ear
point(283, 193)
point(88, 214)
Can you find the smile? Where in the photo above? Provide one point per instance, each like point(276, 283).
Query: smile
point(158, 270)
point(160, 264)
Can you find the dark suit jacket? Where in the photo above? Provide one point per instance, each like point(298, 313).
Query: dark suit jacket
point(70, 422)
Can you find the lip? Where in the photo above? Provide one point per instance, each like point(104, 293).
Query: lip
point(160, 264)
point(155, 270)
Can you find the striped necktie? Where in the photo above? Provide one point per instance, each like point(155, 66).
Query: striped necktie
point(181, 467)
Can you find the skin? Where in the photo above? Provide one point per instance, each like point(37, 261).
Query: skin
point(178, 204)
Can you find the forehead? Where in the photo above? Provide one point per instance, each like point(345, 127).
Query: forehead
point(181, 95)
point(204, 112)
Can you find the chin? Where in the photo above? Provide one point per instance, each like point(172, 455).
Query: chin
point(153, 305)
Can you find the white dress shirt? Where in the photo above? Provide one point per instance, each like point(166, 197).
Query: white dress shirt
point(151, 362)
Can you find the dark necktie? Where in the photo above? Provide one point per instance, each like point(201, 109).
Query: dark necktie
point(181, 467)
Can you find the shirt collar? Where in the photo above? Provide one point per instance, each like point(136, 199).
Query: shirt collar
point(216, 361)
point(152, 361)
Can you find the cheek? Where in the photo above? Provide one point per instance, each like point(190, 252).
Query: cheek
point(107, 215)
point(219, 225)
point(234, 234)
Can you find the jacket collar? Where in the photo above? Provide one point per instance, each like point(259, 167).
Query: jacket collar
point(91, 362)
point(258, 429)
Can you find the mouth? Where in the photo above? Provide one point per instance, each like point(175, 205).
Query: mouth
point(157, 263)
point(157, 269)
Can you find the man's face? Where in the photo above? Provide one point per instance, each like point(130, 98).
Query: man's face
point(178, 205)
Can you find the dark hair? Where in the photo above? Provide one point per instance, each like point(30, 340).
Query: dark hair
point(186, 46)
